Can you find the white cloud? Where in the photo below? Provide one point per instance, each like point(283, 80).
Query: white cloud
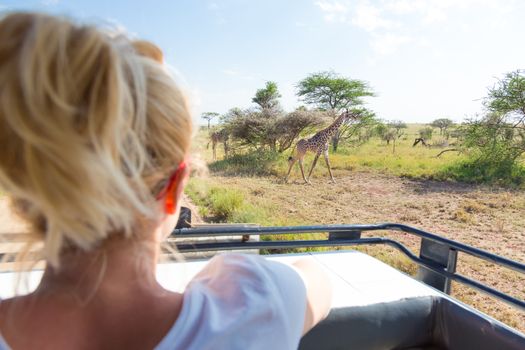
point(387, 21)
point(369, 18)
point(334, 11)
point(400, 7)
point(434, 11)
point(364, 15)
point(328, 6)
point(386, 44)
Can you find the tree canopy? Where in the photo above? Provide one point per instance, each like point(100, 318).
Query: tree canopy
point(442, 124)
point(209, 116)
point(267, 97)
point(398, 125)
point(330, 91)
point(335, 93)
point(498, 138)
point(507, 98)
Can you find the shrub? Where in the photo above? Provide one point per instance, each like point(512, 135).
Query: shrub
point(251, 163)
point(482, 170)
point(426, 133)
point(225, 203)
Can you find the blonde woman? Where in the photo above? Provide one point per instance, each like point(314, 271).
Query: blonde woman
point(94, 137)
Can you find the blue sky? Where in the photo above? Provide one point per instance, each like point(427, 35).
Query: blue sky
point(424, 58)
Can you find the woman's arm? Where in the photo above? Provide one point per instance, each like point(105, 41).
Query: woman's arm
point(318, 291)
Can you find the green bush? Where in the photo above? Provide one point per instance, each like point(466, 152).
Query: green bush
point(255, 163)
point(482, 170)
point(224, 203)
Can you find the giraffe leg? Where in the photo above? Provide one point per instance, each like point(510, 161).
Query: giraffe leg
point(313, 166)
point(302, 170)
point(292, 162)
point(225, 149)
point(328, 165)
point(214, 148)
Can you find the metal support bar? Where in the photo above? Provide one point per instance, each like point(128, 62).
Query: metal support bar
point(334, 236)
point(198, 232)
point(184, 218)
point(442, 257)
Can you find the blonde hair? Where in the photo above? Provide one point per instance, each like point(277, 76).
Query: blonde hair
point(91, 125)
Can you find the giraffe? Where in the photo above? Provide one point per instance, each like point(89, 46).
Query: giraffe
point(215, 138)
point(317, 144)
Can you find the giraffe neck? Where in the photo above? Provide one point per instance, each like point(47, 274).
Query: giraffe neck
point(329, 131)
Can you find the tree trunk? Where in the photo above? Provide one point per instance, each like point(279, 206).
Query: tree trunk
point(335, 142)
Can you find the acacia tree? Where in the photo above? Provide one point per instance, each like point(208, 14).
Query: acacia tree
point(209, 116)
point(398, 125)
point(267, 98)
point(442, 124)
point(394, 132)
point(334, 93)
point(498, 138)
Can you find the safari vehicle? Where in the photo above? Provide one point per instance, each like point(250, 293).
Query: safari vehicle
point(374, 305)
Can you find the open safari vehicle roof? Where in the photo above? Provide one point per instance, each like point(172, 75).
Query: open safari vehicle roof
point(374, 305)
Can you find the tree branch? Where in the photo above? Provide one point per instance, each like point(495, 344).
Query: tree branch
point(447, 150)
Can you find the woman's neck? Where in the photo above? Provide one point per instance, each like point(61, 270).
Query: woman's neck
point(119, 266)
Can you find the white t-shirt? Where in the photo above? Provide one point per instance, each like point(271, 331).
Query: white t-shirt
point(239, 302)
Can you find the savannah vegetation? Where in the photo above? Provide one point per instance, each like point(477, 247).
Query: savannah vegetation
point(464, 181)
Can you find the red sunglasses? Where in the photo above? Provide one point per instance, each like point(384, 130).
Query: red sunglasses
point(168, 190)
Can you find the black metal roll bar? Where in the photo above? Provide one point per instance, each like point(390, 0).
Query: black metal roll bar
point(437, 259)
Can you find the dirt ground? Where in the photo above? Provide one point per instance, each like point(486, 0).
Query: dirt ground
point(486, 218)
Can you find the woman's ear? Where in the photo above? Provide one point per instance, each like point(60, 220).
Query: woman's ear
point(174, 190)
point(148, 49)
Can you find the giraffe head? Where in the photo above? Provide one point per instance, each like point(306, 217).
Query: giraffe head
point(348, 115)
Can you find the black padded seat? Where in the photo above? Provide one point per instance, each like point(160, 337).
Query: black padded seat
point(429, 323)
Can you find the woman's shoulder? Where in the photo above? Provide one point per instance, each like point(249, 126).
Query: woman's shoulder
point(237, 300)
point(249, 272)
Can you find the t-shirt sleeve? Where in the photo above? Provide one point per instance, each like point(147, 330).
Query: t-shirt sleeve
point(255, 303)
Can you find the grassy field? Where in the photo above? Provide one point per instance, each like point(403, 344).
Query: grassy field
point(376, 185)
point(405, 160)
